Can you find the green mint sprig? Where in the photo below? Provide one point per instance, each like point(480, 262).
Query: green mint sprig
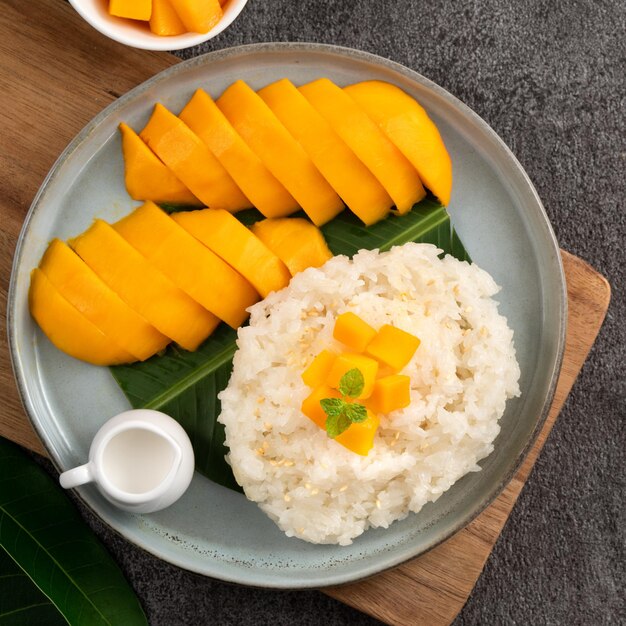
point(339, 412)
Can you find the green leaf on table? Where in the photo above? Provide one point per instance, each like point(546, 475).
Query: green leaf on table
point(185, 384)
point(53, 568)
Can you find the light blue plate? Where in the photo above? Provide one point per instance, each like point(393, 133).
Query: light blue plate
point(212, 530)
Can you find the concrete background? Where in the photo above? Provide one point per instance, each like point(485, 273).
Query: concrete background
point(549, 76)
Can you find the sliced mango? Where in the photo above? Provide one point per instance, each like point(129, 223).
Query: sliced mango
point(198, 16)
point(390, 394)
point(86, 292)
point(142, 287)
point(346, 362)
point(280, 152)
point(67, 328)
point(146, 176)
point(408, 126)
point(358, 438)
point(232, 241)
point(191, 266)
point(393, 346)
point(191, 161)
point(205, 119)
point(131, 9)
point(352, 331)
point(164, 20)
point(317, 372)
point(356, 185)
point(366, 140)
point(295, 241)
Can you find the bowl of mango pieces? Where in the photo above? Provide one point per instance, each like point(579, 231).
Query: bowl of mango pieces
point(159, 24)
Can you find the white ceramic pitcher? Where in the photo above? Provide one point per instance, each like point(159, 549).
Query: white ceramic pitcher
point(140, 460)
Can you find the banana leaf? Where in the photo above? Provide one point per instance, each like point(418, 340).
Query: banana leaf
point(185, 384)
point(52, 567)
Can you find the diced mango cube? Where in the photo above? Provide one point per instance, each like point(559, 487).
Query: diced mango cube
point(352, 331)
point(346, 362)
point(317, 372)
point(312, 408)
point(132, 9)
point(358, 438)
point(393, 346)
point(390, 394)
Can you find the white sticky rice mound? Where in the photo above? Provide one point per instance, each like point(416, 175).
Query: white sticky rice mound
point(461, 376)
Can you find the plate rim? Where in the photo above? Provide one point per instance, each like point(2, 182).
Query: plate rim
point(357, 55)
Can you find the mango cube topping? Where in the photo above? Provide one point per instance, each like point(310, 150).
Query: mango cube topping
point(317, 372)
point(359, 438)
point(340, 382)
point(393, 346)
point(390, 394)
point(353, 332)
point(346, 362)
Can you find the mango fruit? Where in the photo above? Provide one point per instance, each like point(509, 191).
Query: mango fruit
point(191, 161)
point(87, 293)
point(205, 119)
point(348, 176)
point(399, 178)
point(198, 16)
point(358, 438)
point(225, 235)
point(146, 290)
point(192, 267)
point(352, 331)
point(408, 126)
point(164, 20)
point(280, 152)
point(393, 346)
point(295, 241)
point(67, 328)
point(131, 9)
point(147, 177)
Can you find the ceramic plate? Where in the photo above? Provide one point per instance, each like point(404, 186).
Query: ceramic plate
point(212, 530)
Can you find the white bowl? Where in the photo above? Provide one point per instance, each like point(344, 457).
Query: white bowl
point(137, 34)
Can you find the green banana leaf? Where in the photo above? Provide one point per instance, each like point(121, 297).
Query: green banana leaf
point(185, 384)
point(53, 570)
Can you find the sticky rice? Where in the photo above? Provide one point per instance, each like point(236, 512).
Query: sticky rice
point(461, 377)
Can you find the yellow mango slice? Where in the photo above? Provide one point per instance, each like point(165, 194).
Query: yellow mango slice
point(67, 328)
point(232, 241)
point(205, 119)
point(200, 273)
point(198, 16)
point(366, 140)
point(317, 372)
point(142, 287)
point(393, 346)
point(346, 362)
point(353, 332)
point(283, 156)
point(358, 438)
point(131, 9)
point(164, 20)
point(146, 176)
point(408, 126)
point(191, 161)
point(390, 394)
point(356, 185)
point(82, 288)
point(295, 241)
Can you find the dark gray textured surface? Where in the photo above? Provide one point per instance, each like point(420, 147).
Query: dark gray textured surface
point(550, 77)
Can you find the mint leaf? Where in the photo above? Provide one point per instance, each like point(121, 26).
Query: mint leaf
point(352, 383)
point(356, 413)
point(333, 407)
point(336, 424)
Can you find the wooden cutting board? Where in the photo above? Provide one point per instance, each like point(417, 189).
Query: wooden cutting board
point(56, 73)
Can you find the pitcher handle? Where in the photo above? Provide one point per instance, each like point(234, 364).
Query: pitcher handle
point(76, 476)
